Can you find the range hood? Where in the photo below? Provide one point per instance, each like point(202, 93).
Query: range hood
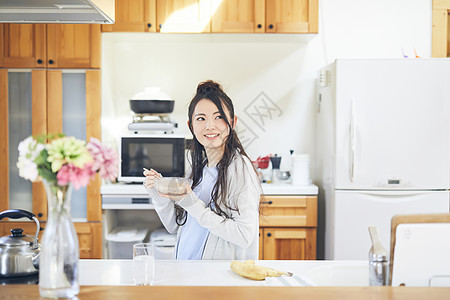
point(57, 11)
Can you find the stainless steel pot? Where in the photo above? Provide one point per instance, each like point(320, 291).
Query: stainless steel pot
point(19, 253)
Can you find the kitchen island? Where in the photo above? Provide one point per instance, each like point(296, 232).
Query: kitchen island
point(218, 273)
point(112, 279)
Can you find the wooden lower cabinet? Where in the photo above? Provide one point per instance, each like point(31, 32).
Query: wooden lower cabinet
point(261, 243)
point(89, 235)
point(289, 243)
point(90, 239)
point(29, 228)
point(288, 227)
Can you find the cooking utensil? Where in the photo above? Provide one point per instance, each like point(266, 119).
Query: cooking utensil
point(26, 279)
point(284, 175)
point(19, 253)
point(151, 101)
point(275, 160)
point(152, 106)
point(378, 264)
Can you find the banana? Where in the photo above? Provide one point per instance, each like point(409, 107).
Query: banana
point(249, 270)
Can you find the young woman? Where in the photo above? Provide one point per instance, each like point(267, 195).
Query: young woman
point(218, 217)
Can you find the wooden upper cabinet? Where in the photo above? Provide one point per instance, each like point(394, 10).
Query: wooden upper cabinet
point(292, 16)
point(238, 16)
point(50, 46)
point(73, 46)
point(133, 16)
point(183, 15)
point(23, 45)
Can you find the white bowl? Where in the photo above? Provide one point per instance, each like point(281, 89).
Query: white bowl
point(171, 185)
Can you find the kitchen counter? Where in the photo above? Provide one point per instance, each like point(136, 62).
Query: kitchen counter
point(122, 196)
point(218, 293)
point(268, 189)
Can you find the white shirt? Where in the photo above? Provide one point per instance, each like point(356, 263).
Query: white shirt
point(192, 242)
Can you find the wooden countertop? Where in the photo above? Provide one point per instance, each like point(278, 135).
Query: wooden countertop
point(216, 293)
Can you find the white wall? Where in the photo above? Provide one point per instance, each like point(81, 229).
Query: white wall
point(284, 67)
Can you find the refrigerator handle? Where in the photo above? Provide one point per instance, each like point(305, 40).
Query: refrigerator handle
point(390, 194)
point(352, 141)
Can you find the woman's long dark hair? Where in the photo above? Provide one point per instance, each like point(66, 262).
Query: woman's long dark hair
point(212, 91)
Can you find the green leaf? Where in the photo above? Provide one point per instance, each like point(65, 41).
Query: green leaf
point(47, 174)
point(41, 158)
point(42, 138)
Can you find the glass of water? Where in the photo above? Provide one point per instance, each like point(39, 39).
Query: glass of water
point(143, 263)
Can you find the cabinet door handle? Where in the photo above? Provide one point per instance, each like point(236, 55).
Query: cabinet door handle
point(40, 215)
point(270, 26)
point(269, 234)
point(266, 202)
point(51, 61)
point(39, 61)
point(149, 25)
point(259, 25)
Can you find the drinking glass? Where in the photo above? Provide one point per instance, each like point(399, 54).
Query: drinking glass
point(143, 263)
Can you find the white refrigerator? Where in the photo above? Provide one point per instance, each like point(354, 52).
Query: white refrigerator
point(383, 147)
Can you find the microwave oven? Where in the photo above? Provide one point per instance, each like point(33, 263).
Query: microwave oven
point(164, 153)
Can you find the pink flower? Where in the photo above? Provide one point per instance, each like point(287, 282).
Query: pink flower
point(106, 160)
point(79, 177)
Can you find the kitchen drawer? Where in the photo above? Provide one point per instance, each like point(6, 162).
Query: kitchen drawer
point(288, 211)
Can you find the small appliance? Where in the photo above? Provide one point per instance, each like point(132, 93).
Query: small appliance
point(163, 152)
point(150, 122)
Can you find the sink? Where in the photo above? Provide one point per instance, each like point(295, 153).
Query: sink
point(340, 275)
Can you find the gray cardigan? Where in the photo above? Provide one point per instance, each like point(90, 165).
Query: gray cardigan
point(235, 238)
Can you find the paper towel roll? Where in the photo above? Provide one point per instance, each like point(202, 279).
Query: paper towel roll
point(300, 170)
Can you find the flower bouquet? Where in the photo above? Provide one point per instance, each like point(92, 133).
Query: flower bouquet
point(62, 162)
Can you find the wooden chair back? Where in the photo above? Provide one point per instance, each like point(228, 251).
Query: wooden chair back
point(411, 219)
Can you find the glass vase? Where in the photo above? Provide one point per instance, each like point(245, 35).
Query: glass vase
point(58, 265)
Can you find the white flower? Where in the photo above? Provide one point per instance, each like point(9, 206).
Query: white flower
point(29, 149)
point(27, 169)
point(24, 146)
